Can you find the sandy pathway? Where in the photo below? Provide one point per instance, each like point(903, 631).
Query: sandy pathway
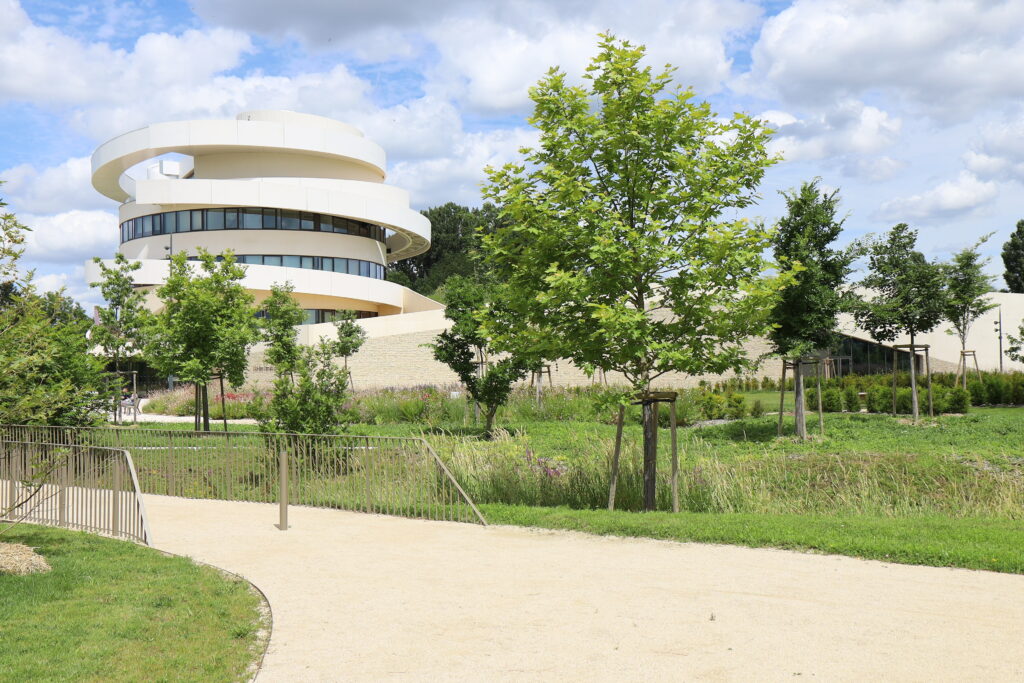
point(362, 597)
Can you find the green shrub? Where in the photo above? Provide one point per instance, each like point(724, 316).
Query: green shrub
point(851, 397)
point(412, 409)
point(879, 399)
point(757, 409)
point(736, 407)
point(978, 393)
point(832, 400)
point(811, 399)
point(958, 400)
point(713, 406)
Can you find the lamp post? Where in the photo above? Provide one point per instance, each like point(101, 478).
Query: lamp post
point(170, 248)
point(1000, 325)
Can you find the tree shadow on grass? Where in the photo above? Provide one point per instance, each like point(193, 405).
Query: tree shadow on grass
point(744, 430)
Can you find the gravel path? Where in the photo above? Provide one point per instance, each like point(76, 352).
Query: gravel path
point(360, 597)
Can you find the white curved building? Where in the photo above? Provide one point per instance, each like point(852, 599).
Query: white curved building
point(298, 198)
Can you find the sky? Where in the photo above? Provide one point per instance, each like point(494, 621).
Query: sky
point(913, 110)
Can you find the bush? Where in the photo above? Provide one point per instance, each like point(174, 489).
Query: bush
point(879, 399)
point(412, 409)
point(832, 400)
point(811, 399)
point(978, 393)
point(958, 400)
point(736, 407)
point(851, 397)
point(757, 409)
point(713, 406)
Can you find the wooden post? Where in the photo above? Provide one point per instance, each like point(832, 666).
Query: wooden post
point(650, 418)
point(799, 409)
point(782, 394)
point(821, 414)
point(928, 369)
point(675, 457)
point(615, 458)
point(894, 365)
point(223, 404)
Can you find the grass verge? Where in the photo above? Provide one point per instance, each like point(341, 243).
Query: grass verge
point(971, 543)
point(115, 611)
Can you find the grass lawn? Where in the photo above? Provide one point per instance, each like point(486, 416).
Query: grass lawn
point(115, 611)
point(992, 544)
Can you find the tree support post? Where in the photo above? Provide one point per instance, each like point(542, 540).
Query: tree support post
point(782, 394)
point(675, 457)
point(615, 458)
point(282, 496)
point(821, 413)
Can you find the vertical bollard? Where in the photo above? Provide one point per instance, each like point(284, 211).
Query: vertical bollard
point(282, 495)
point(115, 499)
point(62, 495)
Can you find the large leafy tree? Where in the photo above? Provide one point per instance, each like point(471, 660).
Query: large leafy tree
point(49, 376)
point(466, 349)
point(966, 287)
point(206, 326)
point(1013, 260)
point(806, 312)
point(619, 247)
point(121, 321)
point(454, 234)
point(905, 293)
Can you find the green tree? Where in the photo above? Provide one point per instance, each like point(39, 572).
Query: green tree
point(121, 321)
point(806, 313)
point(454, 233)
point(966, 287)
point(350, 335)
point(614, 249)
point(49, 376)
point(206, 326)
point(1013, 260)
point(309, 387)
point(465, 348)
point(905, 293)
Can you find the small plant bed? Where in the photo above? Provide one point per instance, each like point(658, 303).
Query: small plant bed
point(113, 611)
point(990, 544)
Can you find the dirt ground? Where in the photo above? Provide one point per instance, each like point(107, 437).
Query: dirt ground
point(367, 598)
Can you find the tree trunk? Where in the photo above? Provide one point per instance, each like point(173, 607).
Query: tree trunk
point(223, 404)
point(650, 411)
point(489, 417)
point(206, 409)
point(913, 379)
point(199, 405)
point(799, 412)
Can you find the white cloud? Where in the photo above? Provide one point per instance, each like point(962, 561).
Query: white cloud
point(848, 127)
point(999, 153)
point(873, 169)
point(949, 58)
point(70, 237)
point(953, 197)
point(52, 190)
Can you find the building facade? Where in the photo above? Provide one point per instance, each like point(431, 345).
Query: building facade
point(298, 198)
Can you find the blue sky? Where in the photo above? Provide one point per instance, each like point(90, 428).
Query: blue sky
point(913, 109)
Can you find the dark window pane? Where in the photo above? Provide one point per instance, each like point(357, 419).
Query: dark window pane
point(326, 263)
point(197, 220)
point(353, 267)
point(289, 220)
point(340, 224)
point(325, 224)
point(293, 261)
point(339, 265)
point(310, 318)
point(215, 219)
point(364, 230)
point(318, 263)
point(309, 221)
point(270, 219)
point(184, 220)
point(271, 260)
point(147, 226)
point(230, 219)
point(252, 219)
point(364, 268)
point(307, 262)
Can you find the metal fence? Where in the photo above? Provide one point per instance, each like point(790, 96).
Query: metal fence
point(72, 486)
point(385, 475)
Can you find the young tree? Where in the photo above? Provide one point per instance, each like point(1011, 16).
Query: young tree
point(12, 237)
point(614, 250)
point(906, 293)
point(465, 348)
point(351, 336)
point(805, 314)
point(1013, 260)
point(206, 326)
point(966, 287)
point(309, 387)
point(122, 319)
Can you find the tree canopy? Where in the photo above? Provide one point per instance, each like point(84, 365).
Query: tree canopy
point(966, 287)
point(1013, 259)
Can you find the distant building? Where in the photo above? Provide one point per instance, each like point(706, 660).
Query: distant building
point(298, 198)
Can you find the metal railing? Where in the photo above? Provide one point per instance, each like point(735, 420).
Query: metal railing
point(82, 487)
point(378, 474)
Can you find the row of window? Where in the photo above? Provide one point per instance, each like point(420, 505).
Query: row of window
point(245, 218)
point(350, 266)
point(315, 316)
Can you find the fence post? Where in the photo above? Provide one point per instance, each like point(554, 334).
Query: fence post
point(282, 496)
point(115, 498)
point(62, 495)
